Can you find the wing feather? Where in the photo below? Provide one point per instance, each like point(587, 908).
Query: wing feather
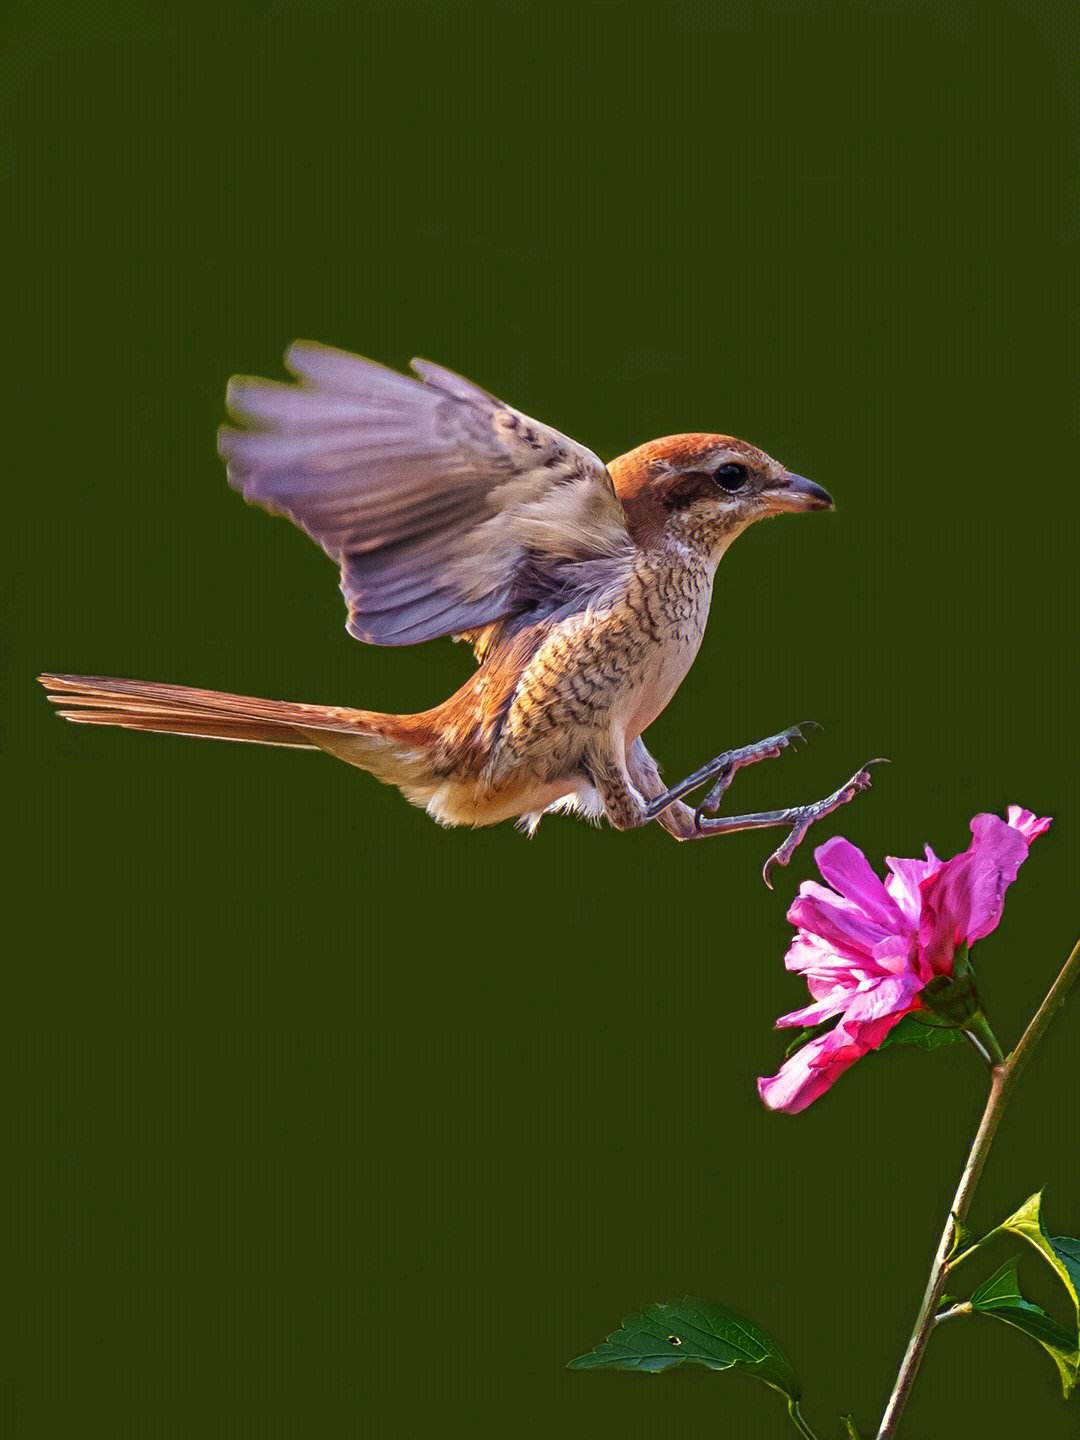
point(435, 499)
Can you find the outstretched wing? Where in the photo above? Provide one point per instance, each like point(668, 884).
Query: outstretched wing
point(445, 508)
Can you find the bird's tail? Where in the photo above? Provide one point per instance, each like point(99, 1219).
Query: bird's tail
point(384, 744)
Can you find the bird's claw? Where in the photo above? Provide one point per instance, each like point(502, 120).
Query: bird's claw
point(806, 815)
point(768, 749)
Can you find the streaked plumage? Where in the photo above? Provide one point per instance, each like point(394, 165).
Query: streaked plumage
point(584, 588)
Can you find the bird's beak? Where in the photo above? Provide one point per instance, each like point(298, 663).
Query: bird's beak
point(795, 492)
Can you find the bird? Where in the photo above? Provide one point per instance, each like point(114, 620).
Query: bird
point(583, 589)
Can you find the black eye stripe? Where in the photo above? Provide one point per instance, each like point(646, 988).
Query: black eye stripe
point(694, 485)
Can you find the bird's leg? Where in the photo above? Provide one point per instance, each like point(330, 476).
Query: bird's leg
point(721, 770)
point(798, 817)
point(623, 788)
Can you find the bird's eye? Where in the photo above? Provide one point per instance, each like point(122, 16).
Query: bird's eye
point(731, 476)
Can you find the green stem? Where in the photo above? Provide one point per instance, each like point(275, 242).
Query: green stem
point(1003, 1077)
point(799, 1421)
point(954, 1312)
point(982, 1037)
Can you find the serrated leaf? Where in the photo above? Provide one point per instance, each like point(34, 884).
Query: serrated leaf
point(924, 1034)
point(692, 1332)
point(1000, 1297)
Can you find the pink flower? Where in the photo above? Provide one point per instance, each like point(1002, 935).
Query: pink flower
point(868, 948)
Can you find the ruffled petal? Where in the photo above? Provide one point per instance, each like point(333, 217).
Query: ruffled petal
point(843, 927)
point(815, 1068)
point(964, 900)
point(814, 890)
point(823, 1009)
point(805, 1076)
point(896, 954)
point(822, 985)
point(810, 952)
point(895, 996)
point(848, 871)
point(904, 880)
point(1030, 825)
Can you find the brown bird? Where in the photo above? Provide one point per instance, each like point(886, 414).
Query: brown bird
point(583, 589)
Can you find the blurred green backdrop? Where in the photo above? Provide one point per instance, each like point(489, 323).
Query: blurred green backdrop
point(319, 1120)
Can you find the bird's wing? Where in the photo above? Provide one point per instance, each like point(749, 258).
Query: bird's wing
point(445, 508)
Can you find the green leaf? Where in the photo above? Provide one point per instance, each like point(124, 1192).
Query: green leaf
point(1061, 1254)
point(962, 1238)
point(926, 1034)
point(1067, 1251)
point(1003, 1288)
point(692, 1332)
point(1000, 1298)
point(851, 1430)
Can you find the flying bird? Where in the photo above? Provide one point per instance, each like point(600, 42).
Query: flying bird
point(583, 589)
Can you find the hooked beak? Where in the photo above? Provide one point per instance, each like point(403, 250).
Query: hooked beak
point(795, 492)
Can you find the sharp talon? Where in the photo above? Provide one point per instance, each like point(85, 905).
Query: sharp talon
point(796, 732)
point(806, 724)
point(862, 780)
point(806, 815)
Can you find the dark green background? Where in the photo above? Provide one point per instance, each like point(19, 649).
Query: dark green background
point(318, 1119)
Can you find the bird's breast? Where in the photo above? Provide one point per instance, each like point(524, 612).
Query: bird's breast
point(611, 667)
point(671, 606)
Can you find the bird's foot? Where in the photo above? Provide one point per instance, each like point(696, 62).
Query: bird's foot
point(798, 817)
point(721, 770)
point(769, 749)
point(804, 816)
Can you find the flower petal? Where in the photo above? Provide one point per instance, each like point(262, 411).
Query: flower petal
point(867, 1020)
point(847, 870)
point(906, 877)
point(819, 1064)
point(964, 900)
point(897, 955)
point(822, 984)
point(844, 927)
point(1029, 825)
point(895, 995)
point(822, 1009)
point(800, 1081)
point(810, 952)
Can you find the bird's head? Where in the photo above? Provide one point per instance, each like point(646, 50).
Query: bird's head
point(703, 490)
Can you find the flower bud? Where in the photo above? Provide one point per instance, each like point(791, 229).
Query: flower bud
point(951, 1001)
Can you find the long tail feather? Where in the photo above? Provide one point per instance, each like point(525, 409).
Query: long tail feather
point(210, 714)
